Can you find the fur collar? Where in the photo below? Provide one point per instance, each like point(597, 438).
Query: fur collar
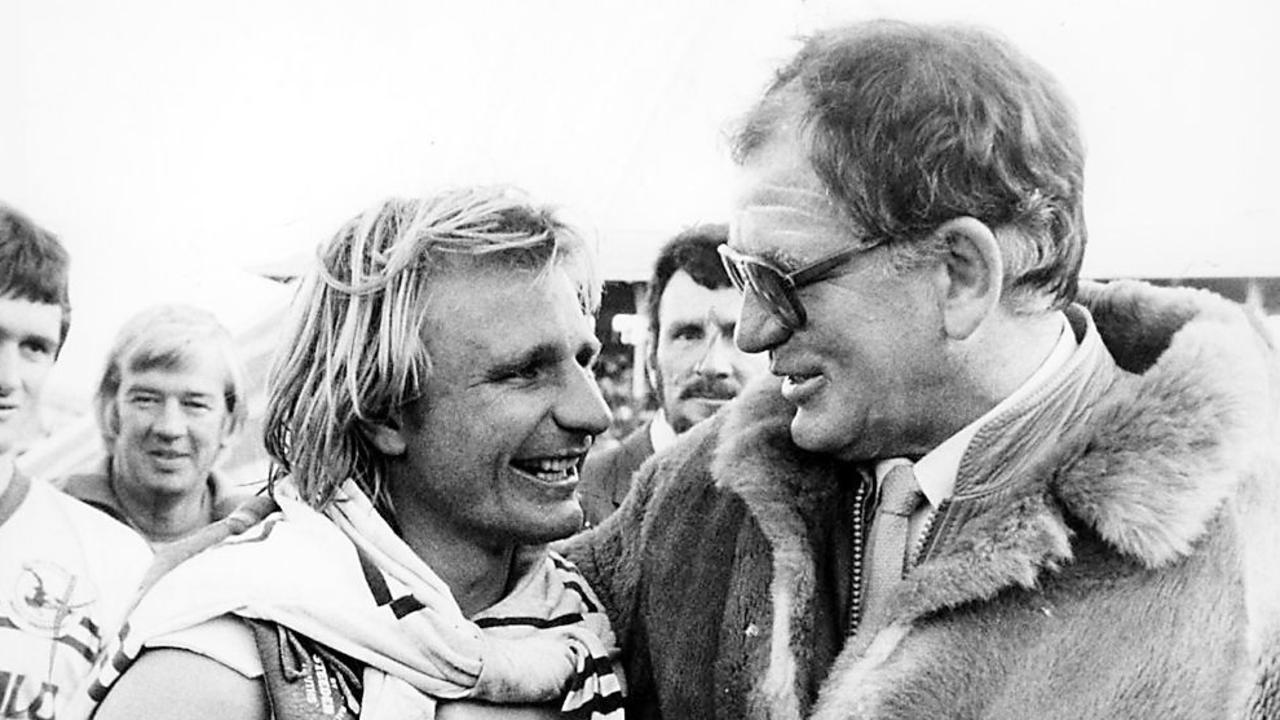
point(1163, 449)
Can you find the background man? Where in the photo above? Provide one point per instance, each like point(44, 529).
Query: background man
point(692, 363)
point(171, 399)
point(65, 570)
point(974, 490)
point(432, 404)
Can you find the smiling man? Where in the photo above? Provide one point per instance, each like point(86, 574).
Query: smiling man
point(692, 363)
point(170, 400)
point(429, 413)
point(977, 487)
point(66, 571)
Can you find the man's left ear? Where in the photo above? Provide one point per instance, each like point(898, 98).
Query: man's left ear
point(385, 435)
point(231, 428)
point(974, 275)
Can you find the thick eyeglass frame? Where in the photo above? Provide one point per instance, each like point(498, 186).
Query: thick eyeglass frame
point(777, 287)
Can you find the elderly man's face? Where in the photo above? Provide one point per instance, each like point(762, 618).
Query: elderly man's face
point(495, 442)
point(863, 370)
point(173, 424)
point(29, 336)
point(696, 364)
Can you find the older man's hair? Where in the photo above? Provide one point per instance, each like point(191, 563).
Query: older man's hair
point(908, 126)
point(33, 265)
point(354, 351)
point(171, 338)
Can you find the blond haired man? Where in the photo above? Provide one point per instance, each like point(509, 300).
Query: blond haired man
point(431, 406)
point(171, 399)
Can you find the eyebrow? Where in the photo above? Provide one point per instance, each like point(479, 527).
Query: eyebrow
point(538, 355)
point(779, 256)
point(541, 355)
point(130, 388)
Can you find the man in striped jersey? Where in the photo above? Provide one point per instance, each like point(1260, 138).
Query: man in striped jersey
point(431, 406)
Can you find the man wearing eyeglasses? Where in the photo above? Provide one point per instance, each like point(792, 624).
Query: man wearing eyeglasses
point(978, 487)
point(692, 363)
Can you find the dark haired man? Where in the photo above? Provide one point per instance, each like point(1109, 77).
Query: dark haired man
point(66, 570)
point(692, 362)
point(977, 488)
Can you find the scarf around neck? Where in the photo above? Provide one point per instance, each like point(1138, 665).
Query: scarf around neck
point(345, 580)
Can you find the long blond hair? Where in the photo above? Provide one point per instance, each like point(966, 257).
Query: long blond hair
point(353, 351)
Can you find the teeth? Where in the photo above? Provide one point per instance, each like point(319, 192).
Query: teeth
point(550, 469)
point(554, 465)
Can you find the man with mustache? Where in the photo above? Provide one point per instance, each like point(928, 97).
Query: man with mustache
point(692, 362)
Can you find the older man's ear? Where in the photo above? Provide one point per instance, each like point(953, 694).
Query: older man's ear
point(970, 275)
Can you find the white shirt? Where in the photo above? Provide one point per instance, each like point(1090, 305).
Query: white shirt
point(661, 434)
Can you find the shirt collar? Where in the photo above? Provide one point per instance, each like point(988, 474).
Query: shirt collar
point(936, 471)
point(661, 434)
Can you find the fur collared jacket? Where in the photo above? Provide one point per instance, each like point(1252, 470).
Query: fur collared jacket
point(1127, 568)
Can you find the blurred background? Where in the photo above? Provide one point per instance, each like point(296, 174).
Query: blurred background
point(198, 152)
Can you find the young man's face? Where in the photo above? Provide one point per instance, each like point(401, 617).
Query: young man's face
point(29, 336)
point(696, 365)
point(173, 423)
point(494, 444)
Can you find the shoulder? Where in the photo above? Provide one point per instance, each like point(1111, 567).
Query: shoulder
point(174, 683)
point(62, 523)
point(227, 495)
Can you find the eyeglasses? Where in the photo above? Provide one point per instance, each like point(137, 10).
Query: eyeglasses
point(776, 287)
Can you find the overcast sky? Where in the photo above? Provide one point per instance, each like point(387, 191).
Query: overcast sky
point(174, 144)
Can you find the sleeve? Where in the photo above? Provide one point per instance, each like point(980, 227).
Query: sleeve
point(226, 639)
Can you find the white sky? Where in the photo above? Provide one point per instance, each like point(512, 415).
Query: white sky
point(174, 144)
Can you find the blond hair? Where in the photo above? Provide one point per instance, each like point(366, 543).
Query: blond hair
point(353, 352)
point(168, 337)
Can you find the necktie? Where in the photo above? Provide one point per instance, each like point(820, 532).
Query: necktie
point(887, 547)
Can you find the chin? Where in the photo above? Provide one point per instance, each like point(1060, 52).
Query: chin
point(554, 524)
point(814, 434)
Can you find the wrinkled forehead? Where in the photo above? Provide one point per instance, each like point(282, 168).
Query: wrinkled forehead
point(781, 210)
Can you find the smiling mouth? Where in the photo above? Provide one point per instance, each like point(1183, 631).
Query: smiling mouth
point(551, 471)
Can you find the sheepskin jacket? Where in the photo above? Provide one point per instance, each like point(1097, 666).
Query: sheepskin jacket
point(1125, 567)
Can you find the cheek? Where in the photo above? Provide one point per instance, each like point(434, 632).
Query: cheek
point(131, 424)
point(674, 364)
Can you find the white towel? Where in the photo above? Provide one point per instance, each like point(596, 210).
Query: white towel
point(346, 581)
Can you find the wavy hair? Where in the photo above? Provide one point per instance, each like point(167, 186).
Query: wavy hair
point(910, 125)
point(353, 352)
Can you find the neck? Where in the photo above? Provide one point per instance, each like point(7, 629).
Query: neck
point(994, 363)
point(162, 517)
point(478, 574)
